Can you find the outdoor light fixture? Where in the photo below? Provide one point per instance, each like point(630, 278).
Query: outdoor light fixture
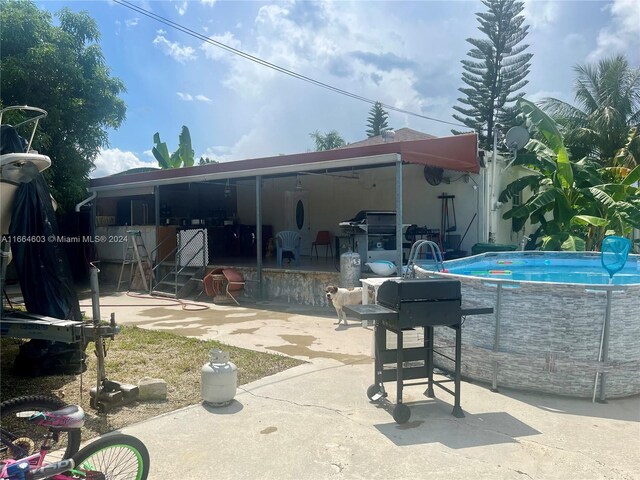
point(298, 184)
point(227, 190)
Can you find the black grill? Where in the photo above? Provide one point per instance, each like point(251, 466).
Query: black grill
point(421, 302)
point(404, 304)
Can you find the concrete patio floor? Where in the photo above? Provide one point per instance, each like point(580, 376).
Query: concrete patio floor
point(316, 422)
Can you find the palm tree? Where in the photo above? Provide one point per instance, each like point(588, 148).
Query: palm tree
point(182, 157)
point(327, 141)
point(604, 123)
point(574, 204)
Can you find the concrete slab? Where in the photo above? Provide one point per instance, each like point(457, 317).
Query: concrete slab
point(315, 421)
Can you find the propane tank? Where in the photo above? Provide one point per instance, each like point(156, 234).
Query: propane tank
point(350, 270)
point(219, 378)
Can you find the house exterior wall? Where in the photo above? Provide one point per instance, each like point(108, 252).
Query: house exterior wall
point(333, 199)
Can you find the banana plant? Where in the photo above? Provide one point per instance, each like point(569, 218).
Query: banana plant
point(182, 157)
point(574, 204)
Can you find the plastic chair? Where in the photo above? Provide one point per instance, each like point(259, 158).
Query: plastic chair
point(323, 238)
point(235, 283)
point(288, 241)
point(213, 283)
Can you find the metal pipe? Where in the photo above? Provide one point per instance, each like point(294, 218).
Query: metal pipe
point(604, 347)
point(86, 200)
point(259, 235)
point(496, 338)
point(95, 293)
point(398, 215)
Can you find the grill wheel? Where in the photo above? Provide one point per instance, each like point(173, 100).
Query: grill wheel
point(401, 413)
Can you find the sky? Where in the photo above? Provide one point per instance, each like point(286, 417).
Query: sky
point(405, 54)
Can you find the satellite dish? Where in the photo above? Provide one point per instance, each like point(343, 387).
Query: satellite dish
point(517, 138)
point(433, 175)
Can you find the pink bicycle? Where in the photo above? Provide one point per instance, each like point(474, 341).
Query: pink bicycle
point(115, 456)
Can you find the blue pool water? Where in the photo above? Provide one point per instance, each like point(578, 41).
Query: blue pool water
point(578, 267)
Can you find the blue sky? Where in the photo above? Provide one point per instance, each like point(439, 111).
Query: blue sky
point(405, 54)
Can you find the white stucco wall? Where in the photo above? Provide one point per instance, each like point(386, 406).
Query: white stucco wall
point(333, 199)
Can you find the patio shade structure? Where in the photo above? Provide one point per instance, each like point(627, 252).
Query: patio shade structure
point(457, 153)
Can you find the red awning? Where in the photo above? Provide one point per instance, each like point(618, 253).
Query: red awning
point(459, 152)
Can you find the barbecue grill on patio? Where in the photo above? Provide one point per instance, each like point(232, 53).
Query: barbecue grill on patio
point(405, 304)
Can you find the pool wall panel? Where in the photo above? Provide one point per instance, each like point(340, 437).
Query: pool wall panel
point(549, 337)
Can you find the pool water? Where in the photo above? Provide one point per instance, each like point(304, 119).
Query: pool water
point(578, 267)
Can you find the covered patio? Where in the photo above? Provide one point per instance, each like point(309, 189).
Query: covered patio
point(242, 204)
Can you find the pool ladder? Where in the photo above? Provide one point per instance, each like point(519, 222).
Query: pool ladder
point(416, 248)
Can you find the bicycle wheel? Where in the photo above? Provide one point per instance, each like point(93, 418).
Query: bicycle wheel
point(116, 456)
point(28, 437)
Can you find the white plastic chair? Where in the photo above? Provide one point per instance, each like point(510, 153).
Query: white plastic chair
point(288, 241)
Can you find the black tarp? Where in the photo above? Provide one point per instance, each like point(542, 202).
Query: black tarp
point(39, 259)
point(10, 141)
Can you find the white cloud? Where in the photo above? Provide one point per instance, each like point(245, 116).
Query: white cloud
point(209, 3)
point(218, 153)
point(176, 51)
point(333, 43)
point(132, 22)
point(182, 8)
point(542, 94)
point(541, 14)
point(215, 53)
point(114, 160)
point(622, 35)
point(187, 97)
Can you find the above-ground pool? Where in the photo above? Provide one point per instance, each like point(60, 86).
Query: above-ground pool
point(545, 267)
point(557, 322)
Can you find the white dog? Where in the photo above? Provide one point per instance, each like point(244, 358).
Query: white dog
point(342, 296)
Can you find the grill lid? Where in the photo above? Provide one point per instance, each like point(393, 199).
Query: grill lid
point(394, 292)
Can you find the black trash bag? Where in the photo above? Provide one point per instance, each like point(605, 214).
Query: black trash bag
point(11, 141)
point(40, 261)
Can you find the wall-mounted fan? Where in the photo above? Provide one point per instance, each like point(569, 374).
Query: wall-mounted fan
point(433, 175)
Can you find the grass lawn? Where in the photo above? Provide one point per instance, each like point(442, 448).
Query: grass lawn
point(136, 353)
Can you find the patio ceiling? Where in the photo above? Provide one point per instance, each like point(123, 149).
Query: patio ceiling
point(458, 153)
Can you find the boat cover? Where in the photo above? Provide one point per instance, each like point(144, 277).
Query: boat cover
point(10, 141)
point(40, 260)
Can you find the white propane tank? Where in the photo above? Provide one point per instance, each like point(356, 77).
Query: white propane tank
point(219, 378)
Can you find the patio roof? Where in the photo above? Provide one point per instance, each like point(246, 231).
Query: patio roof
point(459, 153)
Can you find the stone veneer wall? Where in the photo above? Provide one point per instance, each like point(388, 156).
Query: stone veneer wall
point(549, 337)
point(294, 286)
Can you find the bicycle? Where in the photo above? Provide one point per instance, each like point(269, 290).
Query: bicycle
point(21, 438)
point(115, 456)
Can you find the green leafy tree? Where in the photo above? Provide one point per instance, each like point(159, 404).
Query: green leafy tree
point(574, 204)
point(377, 121)
point(497, 71)
point(182, 157)
point(60, 68)
point(604, 123)
point(327, 141)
